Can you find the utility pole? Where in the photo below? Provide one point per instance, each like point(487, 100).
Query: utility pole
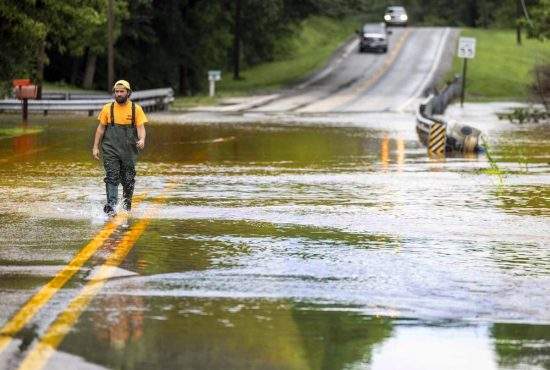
point(518, 24)
point(237, 41)
point(110, 47)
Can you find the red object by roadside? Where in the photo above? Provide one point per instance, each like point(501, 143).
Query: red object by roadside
point(25, 92)
point(21, 82)
point(22, 89)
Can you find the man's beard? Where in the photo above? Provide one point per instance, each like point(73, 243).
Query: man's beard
point(121, 99)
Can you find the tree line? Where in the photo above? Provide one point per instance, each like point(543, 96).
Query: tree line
point(174, 42)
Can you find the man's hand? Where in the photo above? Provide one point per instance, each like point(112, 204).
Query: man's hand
point(99, 132)
point(95, 153)
point(140, 143)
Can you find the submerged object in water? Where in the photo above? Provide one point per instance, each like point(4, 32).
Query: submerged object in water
point(440, 136)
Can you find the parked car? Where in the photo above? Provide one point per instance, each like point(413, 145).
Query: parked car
point(373, 37)
point(396, 16)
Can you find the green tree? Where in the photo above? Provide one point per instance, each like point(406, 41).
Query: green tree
point(91, 40)
point(539, 27)
point(21, 36)
point(43, 25)
point(172, 43)
point(63, 21)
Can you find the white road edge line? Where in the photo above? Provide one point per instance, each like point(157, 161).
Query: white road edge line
point(331, 67)
point(428, 79)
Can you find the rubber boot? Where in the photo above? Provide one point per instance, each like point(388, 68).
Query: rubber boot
point(112, 198)
point(127, 193)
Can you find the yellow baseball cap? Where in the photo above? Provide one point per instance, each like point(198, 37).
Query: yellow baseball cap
point(122, 83)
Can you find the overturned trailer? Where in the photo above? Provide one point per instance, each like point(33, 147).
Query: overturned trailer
point(441, 136)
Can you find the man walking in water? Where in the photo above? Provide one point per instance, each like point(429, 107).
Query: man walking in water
point(121, 132)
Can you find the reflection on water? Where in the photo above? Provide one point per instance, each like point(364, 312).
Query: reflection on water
point(386, 148)
point(520, 345)
point(525, 199)
point(24, 144)
point(204, 244)
point(300, 247)
point(119, 321)
point(137, 333)
point(225, 334)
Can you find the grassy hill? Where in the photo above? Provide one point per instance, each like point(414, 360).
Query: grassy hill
point(501, 69)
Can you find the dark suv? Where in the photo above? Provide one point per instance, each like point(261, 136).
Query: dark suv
point(373, 37)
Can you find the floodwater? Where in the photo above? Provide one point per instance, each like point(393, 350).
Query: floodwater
point(286, 245)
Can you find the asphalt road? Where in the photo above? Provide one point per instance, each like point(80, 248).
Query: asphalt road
point(373, 82)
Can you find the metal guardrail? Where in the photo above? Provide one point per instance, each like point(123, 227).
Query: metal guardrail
point(150, 100)
point(72, 96)
point(458, 137)
point(442, 99)
point(436, 104)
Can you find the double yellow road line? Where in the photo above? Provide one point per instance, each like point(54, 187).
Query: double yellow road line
point(39, 354)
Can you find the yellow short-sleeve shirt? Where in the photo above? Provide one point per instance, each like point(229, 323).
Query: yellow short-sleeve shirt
point(122, 113)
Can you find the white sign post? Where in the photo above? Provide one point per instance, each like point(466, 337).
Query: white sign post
point(213, 76)
point(466, 50)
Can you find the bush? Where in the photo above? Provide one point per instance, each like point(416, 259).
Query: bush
point(541, 86)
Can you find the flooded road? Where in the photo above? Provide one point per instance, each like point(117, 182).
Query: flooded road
point(275, 242)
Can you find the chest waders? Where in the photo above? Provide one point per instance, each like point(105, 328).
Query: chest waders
point(119, 153)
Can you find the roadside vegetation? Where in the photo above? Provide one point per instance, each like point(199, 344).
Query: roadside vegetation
point(302, 52)
point(259, 45)
point(501, 69)
point(65, 87)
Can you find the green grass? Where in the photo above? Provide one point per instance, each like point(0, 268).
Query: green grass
point(64, 87)
point(309, 47)
point(501, 70)
point(12, 132)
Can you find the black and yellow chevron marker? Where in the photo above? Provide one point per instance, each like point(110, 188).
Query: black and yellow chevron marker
point(438, 137)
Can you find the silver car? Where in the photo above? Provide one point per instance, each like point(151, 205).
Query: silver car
point(396, 16)
point(373, 37)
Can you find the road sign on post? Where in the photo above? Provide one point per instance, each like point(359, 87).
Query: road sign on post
point(466, 47)
point(213, 76)
point(466, 50)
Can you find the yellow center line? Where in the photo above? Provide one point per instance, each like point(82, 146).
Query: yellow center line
point(33, 305)
point(385, 66)
point(54, 335)
point(340, 99)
